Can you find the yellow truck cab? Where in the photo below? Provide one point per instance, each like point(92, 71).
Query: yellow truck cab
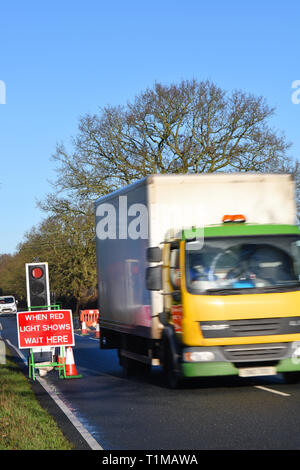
point(234, 299)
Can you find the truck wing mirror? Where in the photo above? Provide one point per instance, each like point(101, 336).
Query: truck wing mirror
point(154, 254)
point(154, 278)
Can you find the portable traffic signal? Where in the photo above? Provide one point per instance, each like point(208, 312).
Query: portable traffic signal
point(37, 280)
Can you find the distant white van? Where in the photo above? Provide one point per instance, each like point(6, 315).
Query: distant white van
point(8, 304)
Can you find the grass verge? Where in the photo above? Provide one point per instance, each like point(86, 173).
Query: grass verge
point(24, 424)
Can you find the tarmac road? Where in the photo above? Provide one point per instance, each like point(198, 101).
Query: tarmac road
point(139, 413)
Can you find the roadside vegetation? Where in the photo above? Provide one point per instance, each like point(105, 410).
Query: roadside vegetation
point(24, 424)
point(189, 127)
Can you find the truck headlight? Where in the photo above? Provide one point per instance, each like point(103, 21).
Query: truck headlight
point(199, 356)
point(296, 352)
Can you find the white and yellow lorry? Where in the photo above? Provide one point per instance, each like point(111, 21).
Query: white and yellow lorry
point(200, 274)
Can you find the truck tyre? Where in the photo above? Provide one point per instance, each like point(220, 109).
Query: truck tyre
point(171, 376)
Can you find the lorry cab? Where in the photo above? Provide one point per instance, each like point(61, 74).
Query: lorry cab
point(232, 299)
point(8, 304)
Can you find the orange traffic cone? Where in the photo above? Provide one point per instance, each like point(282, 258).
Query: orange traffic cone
point(83, 328)
point(71, 372)
point(97, 334)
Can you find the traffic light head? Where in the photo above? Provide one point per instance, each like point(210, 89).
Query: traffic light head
point(37, 280)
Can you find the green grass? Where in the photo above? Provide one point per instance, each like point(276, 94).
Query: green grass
point(24, 424)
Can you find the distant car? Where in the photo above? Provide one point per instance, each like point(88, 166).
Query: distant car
point(8, 304)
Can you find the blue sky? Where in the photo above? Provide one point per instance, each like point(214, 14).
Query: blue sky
point(62, 59)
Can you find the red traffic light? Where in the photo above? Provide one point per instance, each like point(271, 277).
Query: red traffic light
point(37, 273)
point(37, 284)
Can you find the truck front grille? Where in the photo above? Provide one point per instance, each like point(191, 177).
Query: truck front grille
point(255, 352)
point(250, 327)
point(257, 327)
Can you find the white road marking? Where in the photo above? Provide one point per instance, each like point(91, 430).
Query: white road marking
point(272, 391)
point(94, 445)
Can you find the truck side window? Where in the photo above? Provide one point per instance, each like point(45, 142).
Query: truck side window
point(175, 268)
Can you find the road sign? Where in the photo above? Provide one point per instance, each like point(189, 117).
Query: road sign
point(37, 283)
point(45, 328)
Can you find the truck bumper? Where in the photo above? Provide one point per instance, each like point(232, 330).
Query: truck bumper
point(220, 364)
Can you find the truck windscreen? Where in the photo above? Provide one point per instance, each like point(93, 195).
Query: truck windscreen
point(227, 265)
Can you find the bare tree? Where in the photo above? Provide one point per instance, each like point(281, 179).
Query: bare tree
point(191, 127)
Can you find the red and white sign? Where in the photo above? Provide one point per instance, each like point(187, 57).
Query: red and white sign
point(177, 317)
point(45, 328)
